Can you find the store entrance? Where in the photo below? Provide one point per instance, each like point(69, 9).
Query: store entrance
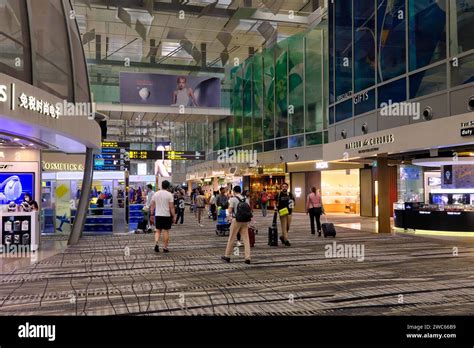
point(340, 190)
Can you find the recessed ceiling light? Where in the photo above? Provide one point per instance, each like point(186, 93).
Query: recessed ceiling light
point(31, 144)
point(16, 139)
point(23, 147)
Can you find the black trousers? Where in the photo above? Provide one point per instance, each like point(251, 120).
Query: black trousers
point(315, 213)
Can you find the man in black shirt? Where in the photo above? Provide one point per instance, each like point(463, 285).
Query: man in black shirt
point(285, 201)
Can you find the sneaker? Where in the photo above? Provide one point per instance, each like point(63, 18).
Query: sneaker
point(239, 244)
point(226, 259)
point(166, 251)
point(201, 225)
point(157, 249)
point(287, 243)
point(247, 262)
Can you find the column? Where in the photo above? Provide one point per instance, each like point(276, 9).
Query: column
point(383, 178)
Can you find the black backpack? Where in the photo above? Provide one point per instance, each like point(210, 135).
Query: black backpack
point(243, 213)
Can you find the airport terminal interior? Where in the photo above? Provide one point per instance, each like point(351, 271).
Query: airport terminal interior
point(236, 157)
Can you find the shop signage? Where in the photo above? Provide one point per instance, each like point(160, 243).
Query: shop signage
point(322, 165)
point(280, 168)
point(63, 167)
point(360, 144)
point(218, 173)
point(467, 129)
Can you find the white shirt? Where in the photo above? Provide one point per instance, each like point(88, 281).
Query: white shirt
point(162, 198)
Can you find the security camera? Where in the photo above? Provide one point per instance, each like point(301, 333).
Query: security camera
point(297, 156)
point(470, 103)
point(428, 113)
point(365, 128)
point(343, 134)
point(258, 162)
point(282, 158)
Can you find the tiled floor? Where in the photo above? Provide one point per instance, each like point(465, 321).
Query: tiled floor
point(120, 274)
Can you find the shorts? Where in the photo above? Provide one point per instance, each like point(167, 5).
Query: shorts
point(163, 222)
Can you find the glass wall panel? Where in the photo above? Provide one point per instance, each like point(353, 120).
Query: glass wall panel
point(462, 28)
point(428, 81)
point(394, 91)
point(427, 32)
point(237, 106)
point(248, 98)
point(14, 40)
point(269, 94)
point(258, 147)
point(344, 110)
point(364, 44)
point(314, 139)
point(281, 144)
point(230, 131)
point(296, 141)
point(391, 41)
point(257, 104)
point(222, 134)
point(269, 146)
point(332, 115)
point(295, 84)
point(464, 73)
point(52, 58)
point(314, 81)
point(281, 88)
point(364, 102)
point(330, 50)
point(215, 135)
point(343, 48)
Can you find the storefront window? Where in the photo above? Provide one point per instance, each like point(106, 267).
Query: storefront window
point(295, 84)
point(51, 56)
point(313, 83)
point(343, 48)
point(464, 73)
point(427, 32)
point(391, 42)
point(14, 40)
point(344, 110)
point(364, 44)
point(462, 30)
point(269, 94)
point(281, 88)
point(428, 81)
point(410, 184)
point(395, 91)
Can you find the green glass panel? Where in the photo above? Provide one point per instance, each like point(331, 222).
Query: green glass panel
point(281, 88)
point(269, 94)
point(313, 82)
point(248, 98)
point(257, 79)
point(295, 84)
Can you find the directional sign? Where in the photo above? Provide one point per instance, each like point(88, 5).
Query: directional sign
point(185, 155)
point(145, 155)
point(114, 156)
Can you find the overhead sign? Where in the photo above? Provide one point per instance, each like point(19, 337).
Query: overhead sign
point(359, 144)
point(114, 156)
point(185, 155)
point(145, 155)
point(467, 129)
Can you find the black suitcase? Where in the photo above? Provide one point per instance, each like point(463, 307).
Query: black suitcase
point(328, 229)
point(273, 232)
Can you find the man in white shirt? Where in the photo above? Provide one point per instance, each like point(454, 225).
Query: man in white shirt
point(162, 215)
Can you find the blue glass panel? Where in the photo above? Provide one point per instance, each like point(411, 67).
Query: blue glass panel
point(428, 81)
point(344, 110)
point(331, 115)
point(391, 42)
point(462, 28)
point(427, 32)
point(464, 73)
point(343, 48)
point(364, 44)
point(395, 91)
point(331, 51)
point(364, 102)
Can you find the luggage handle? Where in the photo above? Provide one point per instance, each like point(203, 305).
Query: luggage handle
point(325, 218)
point(275, 217)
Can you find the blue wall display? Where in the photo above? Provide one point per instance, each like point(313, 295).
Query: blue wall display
point(14, 185)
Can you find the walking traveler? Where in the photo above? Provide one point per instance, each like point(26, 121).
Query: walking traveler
point(314, 207)
point(285, 203)
point(162, 215)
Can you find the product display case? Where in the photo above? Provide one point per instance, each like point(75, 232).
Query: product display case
point(98, 220)
point(135, 215)
point(20, 229)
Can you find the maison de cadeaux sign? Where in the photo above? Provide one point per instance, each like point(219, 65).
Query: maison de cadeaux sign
point(361, 144)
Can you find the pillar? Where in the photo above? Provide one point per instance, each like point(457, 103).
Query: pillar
point(384, 208)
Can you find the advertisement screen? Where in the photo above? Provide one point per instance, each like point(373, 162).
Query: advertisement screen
point(14, 185)
point(169, 90)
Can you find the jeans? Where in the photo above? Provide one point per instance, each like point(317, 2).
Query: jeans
point(315, 213)
point(180, 215)
point(264, 209)
point(285, 225)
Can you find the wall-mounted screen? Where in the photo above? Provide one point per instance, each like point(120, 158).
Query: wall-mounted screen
point(434, 181)
point(14, 185)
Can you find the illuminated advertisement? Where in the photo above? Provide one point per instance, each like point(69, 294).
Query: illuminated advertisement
point(169, 90)
point(14, 185)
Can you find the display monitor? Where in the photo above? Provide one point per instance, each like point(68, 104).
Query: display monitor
point(13, 186)
point(434, 181)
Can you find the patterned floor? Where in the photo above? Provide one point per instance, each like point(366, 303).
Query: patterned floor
point(121, 274)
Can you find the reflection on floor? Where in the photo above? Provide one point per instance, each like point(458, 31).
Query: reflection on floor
point(399, 275)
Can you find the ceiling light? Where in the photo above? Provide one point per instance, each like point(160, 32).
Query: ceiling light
point(31, 144)
point(23, 147)
point(16, 139)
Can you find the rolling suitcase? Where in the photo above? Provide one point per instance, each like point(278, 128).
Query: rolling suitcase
point(273, 232)
point(328, 229)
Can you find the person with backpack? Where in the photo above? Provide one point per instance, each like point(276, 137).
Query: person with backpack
point(240, 215)
point(285, 202)
point(264, 201)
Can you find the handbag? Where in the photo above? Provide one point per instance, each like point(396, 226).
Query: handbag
point(283, 212)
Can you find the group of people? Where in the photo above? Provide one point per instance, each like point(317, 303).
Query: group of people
point(167, 209)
